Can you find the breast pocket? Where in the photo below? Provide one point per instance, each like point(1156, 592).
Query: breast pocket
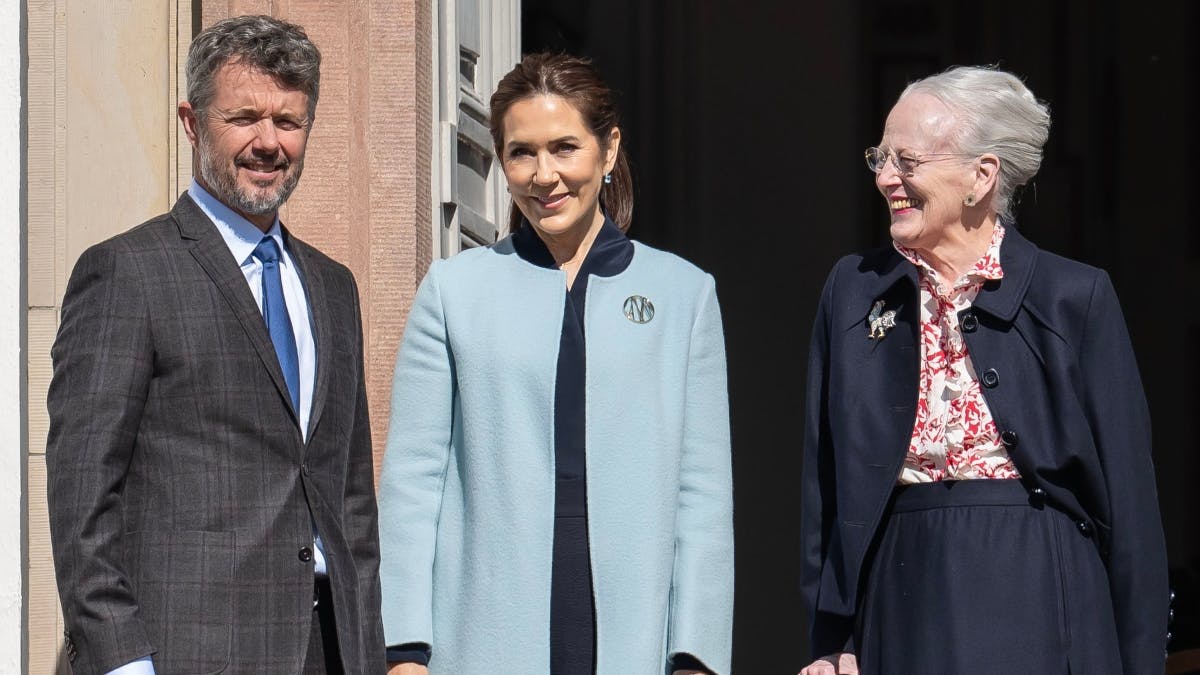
point(183, 584)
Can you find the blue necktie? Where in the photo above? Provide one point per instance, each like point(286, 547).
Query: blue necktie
point(275, 313)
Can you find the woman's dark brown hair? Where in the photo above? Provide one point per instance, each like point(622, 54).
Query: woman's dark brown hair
point(576, 81)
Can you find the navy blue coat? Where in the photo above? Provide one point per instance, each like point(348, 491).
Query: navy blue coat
point(1050, 340)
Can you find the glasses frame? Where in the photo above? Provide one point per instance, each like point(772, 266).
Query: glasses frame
point(895, 160)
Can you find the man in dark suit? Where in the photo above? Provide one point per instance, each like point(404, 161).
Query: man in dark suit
point(211, 490)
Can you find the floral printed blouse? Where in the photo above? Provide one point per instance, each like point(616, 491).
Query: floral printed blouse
point(955, 437)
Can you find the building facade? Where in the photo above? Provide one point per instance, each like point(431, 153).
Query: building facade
point(398, 172)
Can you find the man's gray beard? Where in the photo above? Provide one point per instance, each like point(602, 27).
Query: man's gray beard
point(222, 181)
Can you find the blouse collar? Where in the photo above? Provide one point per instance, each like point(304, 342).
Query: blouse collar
point(985, 269)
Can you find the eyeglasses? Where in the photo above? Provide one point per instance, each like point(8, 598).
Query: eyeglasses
point(877, 158)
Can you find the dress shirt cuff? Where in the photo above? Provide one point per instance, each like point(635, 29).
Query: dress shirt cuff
point(685, 661)
point(409, 652)
point(143, 666)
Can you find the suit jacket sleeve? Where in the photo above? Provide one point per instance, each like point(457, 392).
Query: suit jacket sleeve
point(362, 515)
point(1117, 411)
point(818, 508)
point(103, 364)
point(701, 614)
point(414, 468)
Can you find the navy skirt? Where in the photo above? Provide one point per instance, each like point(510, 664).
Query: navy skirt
point(975, 577)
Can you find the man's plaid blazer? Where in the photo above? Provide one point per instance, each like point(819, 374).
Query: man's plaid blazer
point(180, 489)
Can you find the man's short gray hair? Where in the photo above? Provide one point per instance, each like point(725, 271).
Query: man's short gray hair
point(275, 47)
point(995, 113)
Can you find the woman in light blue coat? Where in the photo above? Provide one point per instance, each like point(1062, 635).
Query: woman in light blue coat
point(556, 493)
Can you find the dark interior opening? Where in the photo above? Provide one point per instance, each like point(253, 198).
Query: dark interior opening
point(746, 124)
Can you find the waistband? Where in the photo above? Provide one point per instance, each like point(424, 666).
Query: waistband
point(950, 493)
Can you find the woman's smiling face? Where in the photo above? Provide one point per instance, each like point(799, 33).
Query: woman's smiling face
point(927, 203)
point(555, 166)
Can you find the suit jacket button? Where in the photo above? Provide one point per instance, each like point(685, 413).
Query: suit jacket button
point(969, 322)
point(304, 469)
point(1085, 528)
point(305, 554)
point(1009, 438)
point(1037, 497)
point(990, 378)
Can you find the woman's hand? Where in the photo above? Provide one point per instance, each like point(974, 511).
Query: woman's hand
point(413, 669)
point(833, 664)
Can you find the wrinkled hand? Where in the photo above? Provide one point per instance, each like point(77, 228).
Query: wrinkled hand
point(833, 664)
point(410, 669)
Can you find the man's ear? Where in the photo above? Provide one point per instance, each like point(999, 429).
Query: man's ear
point(191, 125)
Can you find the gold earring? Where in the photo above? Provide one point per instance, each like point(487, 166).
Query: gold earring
point(970, 200)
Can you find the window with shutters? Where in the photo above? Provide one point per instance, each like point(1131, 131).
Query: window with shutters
point(477, 42)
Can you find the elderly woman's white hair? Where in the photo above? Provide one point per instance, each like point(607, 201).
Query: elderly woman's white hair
point(998, 114)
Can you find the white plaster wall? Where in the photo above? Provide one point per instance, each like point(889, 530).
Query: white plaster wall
point(11, 312)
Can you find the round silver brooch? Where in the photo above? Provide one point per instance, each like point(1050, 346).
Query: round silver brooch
point(639, 309)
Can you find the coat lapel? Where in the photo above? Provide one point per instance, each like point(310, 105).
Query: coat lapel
point(318, 316)
point(1002, 297)
point(211, 252)
point(893, 359)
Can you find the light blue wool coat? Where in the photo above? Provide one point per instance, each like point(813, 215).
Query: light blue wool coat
point(466, 495)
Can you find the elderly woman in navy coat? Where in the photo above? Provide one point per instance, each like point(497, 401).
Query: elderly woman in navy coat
point(978, 491)
point(556, 493)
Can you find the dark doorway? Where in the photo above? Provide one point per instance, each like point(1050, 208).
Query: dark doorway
point(746, 124)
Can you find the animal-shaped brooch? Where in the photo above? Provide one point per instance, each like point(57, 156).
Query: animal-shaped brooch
point(879, 321)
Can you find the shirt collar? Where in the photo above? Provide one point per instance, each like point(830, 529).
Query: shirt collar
point(240, 235)
point(986, 268)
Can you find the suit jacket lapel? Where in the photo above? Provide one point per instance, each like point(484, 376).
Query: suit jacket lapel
point(318, 315)
point(211, 252)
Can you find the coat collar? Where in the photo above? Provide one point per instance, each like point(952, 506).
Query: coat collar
point(610, 254)
point(893, 268)
point(1001, 298)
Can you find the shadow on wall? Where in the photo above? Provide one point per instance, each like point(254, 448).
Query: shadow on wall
point(63, 664)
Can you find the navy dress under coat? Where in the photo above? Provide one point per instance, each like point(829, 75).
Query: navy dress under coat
point(572, 606)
